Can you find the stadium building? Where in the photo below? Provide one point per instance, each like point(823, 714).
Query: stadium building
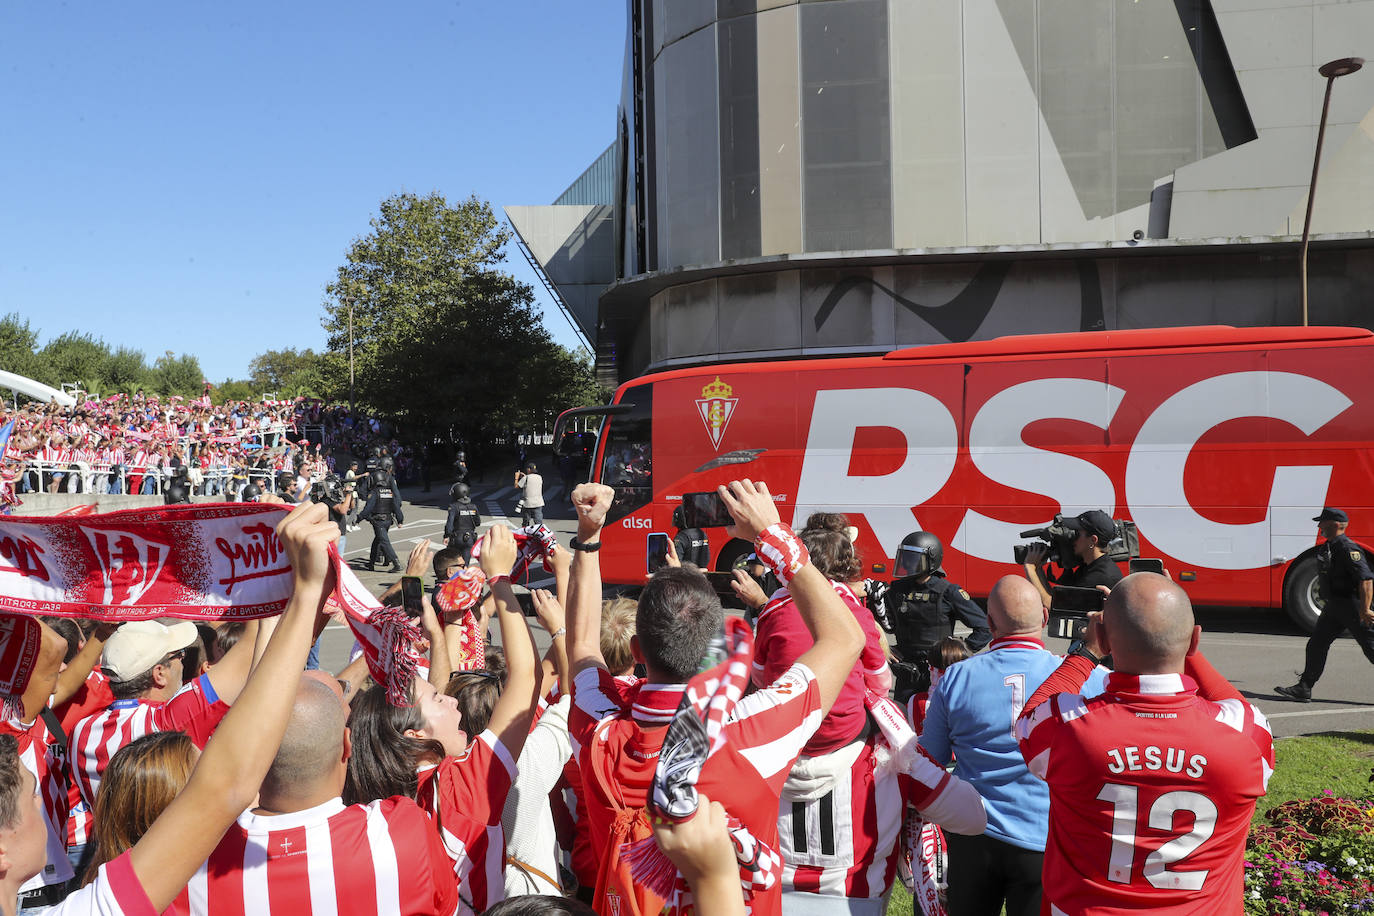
point(852, 176)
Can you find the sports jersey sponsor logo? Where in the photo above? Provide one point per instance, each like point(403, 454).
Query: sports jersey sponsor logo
point(256, 555)
point(129, 563)
point(716, 406)
point(22, 555)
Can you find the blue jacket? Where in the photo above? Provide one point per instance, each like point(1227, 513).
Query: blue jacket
point(972, 716)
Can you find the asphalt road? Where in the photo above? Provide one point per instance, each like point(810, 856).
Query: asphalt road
point(1255, 649)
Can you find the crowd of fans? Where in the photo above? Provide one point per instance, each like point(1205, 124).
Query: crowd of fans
point(184, 768)
point(138, 444)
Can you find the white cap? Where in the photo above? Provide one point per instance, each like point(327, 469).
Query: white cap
point(136, 647)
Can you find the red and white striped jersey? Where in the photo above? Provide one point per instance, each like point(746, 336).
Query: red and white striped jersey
point(1152, 789)
point(44, 757)
point(616, 728)
point(93, 697)
point(116, 891)
point(195, 710)
point(465, 796)
point(384, 857)
point(782, 637)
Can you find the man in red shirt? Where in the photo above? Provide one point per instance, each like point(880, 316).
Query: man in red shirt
point(303, 850)
point(619, 728)
point(1153, 783)
point(143, 661)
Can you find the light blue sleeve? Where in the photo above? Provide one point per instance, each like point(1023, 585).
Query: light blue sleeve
point(935, 733)
point(1096, 684)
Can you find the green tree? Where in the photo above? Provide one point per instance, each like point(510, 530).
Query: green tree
point(17, 345)
point(235, 390)
point(291, 373)
point(73, 357)
point(442, 338)
point(177, 375)
point(125, 370)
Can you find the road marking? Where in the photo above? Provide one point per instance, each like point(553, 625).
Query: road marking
point(1318, 712)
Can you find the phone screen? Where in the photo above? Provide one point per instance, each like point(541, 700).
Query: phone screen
point(1068, 599)
point(412, 595)
point(656, 552)
point(1147, 564)
point(705, 510)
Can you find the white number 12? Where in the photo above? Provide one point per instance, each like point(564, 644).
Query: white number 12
point(1124, 800)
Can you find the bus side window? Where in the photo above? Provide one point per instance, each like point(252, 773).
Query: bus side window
point(627, 465)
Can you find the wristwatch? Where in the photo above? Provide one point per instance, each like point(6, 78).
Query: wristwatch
point(1080, 647)
point(575, 544)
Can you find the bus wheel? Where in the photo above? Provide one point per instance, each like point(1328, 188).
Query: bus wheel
point(734, 550)
point(1302, 597)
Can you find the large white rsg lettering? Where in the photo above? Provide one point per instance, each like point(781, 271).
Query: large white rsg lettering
point(1154, 488)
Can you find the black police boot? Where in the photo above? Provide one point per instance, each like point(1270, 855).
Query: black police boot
point(395, 568)
point(1299, 691)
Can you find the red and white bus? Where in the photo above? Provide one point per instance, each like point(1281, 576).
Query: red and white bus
point(1220, 443)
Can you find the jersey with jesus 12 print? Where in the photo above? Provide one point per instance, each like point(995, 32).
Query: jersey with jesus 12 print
point(1151, 793)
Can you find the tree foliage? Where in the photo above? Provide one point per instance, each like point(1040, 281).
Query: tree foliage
point(90, 363)
point(442, 337)
point(292, 373)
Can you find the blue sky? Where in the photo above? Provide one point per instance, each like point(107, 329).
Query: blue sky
point(187, 176)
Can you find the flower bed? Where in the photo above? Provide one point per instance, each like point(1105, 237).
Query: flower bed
point(1314, 856)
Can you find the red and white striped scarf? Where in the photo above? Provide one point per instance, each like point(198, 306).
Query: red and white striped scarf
point(20, 638)
point(204, 562)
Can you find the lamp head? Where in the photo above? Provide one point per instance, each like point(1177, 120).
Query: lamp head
point(1343, 67)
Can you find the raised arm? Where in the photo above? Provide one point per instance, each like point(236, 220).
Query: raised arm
point(514, 711)
point(73, 677)
point(52, 648)
point(550, 613)
point(229, 674)
point(592, 501)
point(226, 778)
point(839, 639)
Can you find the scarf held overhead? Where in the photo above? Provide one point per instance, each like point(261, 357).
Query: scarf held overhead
point(207, 562)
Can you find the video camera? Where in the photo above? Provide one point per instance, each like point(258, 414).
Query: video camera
point(330, 491)
point(1123, 546)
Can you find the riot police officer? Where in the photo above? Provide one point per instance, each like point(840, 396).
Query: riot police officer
point(920, 608)
point(1348, 585)
point(690, 544)
point(383, 508)
point(460, 528)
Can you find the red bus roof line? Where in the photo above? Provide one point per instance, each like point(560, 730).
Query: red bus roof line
point(1092, 342)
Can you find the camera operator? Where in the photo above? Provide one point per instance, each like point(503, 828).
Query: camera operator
point(1093, 531)
point(921, 606)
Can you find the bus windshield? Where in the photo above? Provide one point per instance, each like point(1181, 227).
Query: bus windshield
point(627, 464)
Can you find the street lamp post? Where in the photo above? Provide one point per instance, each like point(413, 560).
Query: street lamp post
point(349, 302)
point(1330, 70)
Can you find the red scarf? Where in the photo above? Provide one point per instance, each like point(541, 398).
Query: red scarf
point(204, 562)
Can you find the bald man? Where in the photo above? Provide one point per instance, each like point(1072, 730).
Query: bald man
point(302, 844)
point(1153, 784)
point(971, 717)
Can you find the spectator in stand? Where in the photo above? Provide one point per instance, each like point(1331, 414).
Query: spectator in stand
point(422, 752)
point(970, 710)
point(617, 728)
point(1169, 737)
point(143, 661)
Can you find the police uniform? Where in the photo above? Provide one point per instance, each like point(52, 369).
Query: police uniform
point(693, 547)
point(383, 509)
point(1343, 568)
point(460, 529)
point(922, 613)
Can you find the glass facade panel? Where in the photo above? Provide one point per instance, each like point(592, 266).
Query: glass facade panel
point(740, 216)
point(1075, 92)
point(846, 143)
point(687, 151)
